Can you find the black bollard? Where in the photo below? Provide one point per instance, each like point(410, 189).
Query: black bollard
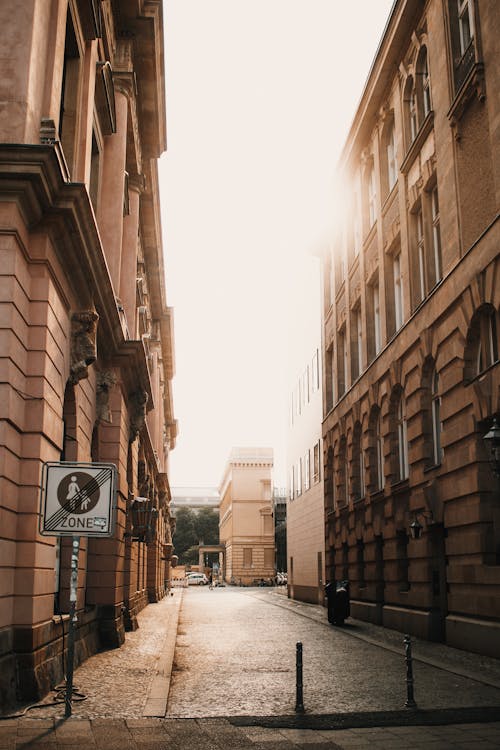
point(299, 701)
point(410, 700)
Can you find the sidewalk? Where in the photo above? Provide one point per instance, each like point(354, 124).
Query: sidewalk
point(127, 689)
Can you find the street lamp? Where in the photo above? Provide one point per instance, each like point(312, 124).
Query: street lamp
point(144, 517)
point(416, 527)
point(492, 439)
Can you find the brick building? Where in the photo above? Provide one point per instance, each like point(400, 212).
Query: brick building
point(411, 324)
point(87, 339)
point(246, 525)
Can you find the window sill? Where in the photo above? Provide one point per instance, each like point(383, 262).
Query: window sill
point(432, 467)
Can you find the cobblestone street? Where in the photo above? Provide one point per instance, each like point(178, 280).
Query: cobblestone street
point(236, 655)
point(230, 681)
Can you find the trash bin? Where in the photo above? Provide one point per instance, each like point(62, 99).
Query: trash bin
point(337, 594)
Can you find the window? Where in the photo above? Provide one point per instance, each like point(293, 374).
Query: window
point(392, 168)
point(316, 462)
point(398, 291)
point(343, 473)
point(68, 120)
point(307, 470)
point(402, 440)
point(436, 235)
point(329, 478)
point(420, 243)
point(357, 343)
point(299, 477)
point(436, 420)
point(356, 224)
point(376, 318)
point(426, 86)
point(247, 557)
point(411, 110)
point(345, 561)
point(342, 363)
point(463, 42)
point(379, 454)
point(315, 371)
point(358, 460)
point(465, 24)
point(292, 483)
point(372, 197)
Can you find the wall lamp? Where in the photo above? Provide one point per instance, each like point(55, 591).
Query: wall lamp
point(416, 527)
point(492, 439)
point(144, 517)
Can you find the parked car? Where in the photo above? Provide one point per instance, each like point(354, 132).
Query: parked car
point(197, 579)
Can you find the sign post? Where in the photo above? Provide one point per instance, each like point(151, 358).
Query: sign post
point(77, 499)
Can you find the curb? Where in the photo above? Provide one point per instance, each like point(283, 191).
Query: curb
point(156, 702)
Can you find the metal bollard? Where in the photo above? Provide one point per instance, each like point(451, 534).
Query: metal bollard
point(410, 701)
point(299, 701)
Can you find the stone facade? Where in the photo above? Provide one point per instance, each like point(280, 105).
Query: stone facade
point(246, 525)
point(87, 337)
point(305, 507)
point(411, 326)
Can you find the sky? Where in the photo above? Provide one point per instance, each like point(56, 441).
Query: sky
point(260, 97)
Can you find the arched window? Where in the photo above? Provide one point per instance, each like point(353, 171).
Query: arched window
point(379, 453)
point(329, 480)
point(411, 110)
point(436, 420)
point(358, 464)
point(482, 342)
point(402, 440)
point(423, 86)
point(343, 473)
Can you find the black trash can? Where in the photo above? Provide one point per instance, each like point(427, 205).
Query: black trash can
point(337, 594)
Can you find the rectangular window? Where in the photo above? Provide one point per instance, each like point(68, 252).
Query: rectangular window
point(372, 197)
point(299, 477)
point(398, 291)
point(376, 318)
point(316, 462)
point(307, 470)
point(465, 24)
point(315, 371)
point(362, 485)
point(392, 167)
point(436, 235)
point(292, 483)
point(247, 557)
point(419, 229)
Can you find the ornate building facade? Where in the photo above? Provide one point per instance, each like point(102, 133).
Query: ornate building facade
point(411, 325)
point(87, 337)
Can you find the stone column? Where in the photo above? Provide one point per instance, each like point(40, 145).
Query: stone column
point(110, 217)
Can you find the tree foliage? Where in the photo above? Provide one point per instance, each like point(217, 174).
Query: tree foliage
point(192, 529)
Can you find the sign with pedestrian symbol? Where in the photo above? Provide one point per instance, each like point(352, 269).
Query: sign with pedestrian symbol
point(78, 499)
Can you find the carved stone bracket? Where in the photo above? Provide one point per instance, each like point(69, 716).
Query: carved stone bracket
point(83, 344)
point(138, 402)
point(106, 379)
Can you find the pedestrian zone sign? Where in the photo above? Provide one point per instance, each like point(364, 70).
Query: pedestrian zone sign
point(78, 499)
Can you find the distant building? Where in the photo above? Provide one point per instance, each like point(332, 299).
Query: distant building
point(246, 515)
point(194, 498)
point(305, 511)
point(411, 332)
